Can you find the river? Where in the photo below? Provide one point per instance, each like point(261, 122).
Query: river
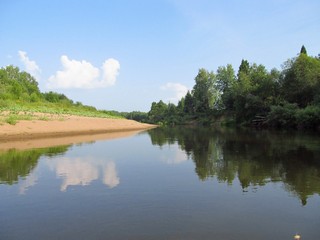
point(165, 183)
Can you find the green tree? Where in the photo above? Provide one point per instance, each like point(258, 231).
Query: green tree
point(254, 91)
point(303, 50)
point(225, 80)
point(157, 112)
point(171, 114)
point(181, 106)
point(188, 104)
point(301, 80)
point(244, 68)
point(18, 85)
point(204, 92)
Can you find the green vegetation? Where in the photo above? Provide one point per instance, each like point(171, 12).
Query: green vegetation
point(253, 96)
point(21, 99)
point(15, 164)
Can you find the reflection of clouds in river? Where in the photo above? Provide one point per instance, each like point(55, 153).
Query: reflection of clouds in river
point(76, 172)
point(82, 171)
point(176, 155)
point(30, 181)
point(111, 178)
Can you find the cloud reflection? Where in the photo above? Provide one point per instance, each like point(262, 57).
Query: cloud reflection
point(76, 172)
point(82, 171)
point(176, 156)
point(30, 181)
point(111, 178)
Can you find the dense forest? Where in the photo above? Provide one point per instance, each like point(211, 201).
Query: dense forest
point(253, 96)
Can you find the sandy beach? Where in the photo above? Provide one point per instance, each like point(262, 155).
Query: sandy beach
point(70, 129)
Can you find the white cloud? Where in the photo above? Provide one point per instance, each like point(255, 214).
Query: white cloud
point(30, 66)
point(110, 72)
point(82, 74)
point(178, 90)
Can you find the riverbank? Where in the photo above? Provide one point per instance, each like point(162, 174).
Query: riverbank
point(66, 126)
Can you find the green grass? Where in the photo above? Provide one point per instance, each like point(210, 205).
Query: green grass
point(44, 118)
point(13, 118)
point(16, 111)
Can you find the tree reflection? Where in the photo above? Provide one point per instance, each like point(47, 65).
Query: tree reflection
point(254, 157)
point(15, 164)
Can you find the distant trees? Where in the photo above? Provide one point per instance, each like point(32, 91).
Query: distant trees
point(286, 98)
point(57, 97)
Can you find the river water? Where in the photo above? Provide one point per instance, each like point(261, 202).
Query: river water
point(165, 183)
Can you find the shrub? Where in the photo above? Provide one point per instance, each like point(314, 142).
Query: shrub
point(308, 117)
point(12, 120)
point(3, 103)
point(283, 116)
point(34, 97)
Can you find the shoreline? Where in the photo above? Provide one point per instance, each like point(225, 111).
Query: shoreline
point(70, 127)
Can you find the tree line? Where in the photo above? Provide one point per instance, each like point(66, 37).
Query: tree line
point(253, 96)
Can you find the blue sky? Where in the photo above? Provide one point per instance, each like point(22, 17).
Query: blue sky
point(124, 54)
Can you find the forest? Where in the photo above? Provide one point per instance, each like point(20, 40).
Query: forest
point(252, 96)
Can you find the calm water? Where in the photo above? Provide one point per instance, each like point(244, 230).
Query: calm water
point(165, 184)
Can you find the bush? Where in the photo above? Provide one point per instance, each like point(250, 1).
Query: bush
point(11, 119)
point(283, 116)
point(3, 103)
point(308, 117)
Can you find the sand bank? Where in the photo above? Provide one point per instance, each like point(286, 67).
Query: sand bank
point(71, 129)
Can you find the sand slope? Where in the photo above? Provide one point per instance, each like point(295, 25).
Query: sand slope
point(69, 126)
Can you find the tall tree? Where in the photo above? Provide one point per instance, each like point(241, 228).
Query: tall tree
point(300, 81)
point(243, 68)
point(225, 80)
point(188, 104)
point(204, 91)
point(303, 50)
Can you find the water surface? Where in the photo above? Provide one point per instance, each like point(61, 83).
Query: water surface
point(165, 184)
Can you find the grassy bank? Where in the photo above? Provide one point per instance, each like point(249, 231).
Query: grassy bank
point(21, 99)
point(12, 112)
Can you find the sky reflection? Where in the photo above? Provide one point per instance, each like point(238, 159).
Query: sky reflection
point(83, 171)
point(110, 177)
point(174, 155)
point(28, 182)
